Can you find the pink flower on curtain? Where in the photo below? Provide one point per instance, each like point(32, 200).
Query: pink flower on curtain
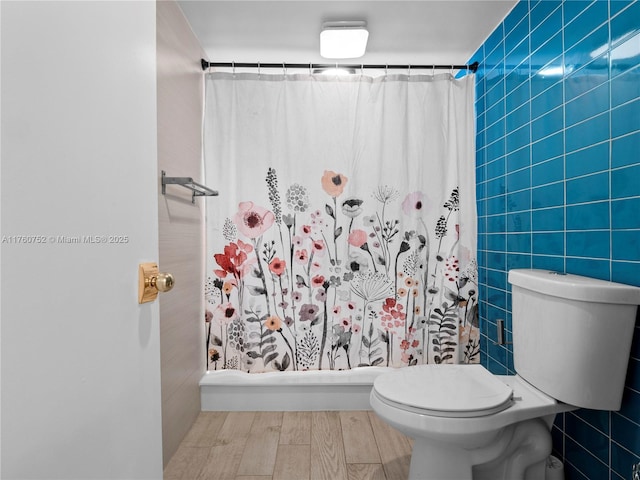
point(309, 312)
point(357, 238)
point(253, 220)
point(305, 230)
point(333, 183)
point(413, 204)
point(318, 247)
point(301, 256)
point(225, 313)
point(451, 269)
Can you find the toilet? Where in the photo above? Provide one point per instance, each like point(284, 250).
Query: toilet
point(571, 343)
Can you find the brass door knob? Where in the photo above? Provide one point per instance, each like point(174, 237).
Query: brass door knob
point(151, 281)
point(163, 282)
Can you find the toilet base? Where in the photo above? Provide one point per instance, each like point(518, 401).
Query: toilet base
point(524, 457)
point(516, 452)
point(438, 461)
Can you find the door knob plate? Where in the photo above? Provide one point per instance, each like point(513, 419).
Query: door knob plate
point(151, 281)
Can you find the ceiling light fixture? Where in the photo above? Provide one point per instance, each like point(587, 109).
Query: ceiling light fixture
point(343, 39)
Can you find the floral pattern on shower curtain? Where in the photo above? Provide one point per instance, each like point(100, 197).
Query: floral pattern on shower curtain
point(345, 230)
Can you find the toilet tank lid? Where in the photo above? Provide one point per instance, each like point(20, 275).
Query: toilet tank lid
point(575, 287)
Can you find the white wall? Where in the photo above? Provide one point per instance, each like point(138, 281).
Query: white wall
point(80, 357)
point(180, 104)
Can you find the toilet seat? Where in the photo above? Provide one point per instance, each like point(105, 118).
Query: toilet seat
point(459, 391)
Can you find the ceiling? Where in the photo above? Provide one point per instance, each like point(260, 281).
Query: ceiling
point(401, 32)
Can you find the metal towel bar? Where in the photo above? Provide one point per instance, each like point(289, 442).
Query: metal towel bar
point(187, 182)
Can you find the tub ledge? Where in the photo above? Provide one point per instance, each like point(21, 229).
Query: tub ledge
point(233, 390)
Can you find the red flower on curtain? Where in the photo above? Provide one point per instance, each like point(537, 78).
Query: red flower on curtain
point(277, 266)
point(317, 281)
point(392, 316)
point(235, 260)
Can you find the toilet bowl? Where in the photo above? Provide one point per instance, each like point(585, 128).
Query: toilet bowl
point(467, 423)
point(571, 344)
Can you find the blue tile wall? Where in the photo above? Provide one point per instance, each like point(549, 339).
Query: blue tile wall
point(558, 185)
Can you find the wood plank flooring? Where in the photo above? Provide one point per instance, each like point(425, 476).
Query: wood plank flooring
point(349, 445)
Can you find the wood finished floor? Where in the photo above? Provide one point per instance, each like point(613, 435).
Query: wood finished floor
point(350, 445)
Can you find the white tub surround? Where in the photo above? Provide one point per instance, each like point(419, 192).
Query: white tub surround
point(233, 390)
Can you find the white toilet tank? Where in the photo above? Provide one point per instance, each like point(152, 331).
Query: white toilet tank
point(572, 335)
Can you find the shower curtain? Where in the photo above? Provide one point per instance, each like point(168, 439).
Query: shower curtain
point(344, 234)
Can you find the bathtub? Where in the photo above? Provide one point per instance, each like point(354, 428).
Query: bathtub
point(233, 390)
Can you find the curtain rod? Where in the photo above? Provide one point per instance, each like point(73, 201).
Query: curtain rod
point(205, 65)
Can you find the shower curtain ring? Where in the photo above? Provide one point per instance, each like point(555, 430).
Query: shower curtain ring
point(233, 68)
point(258, 69)
point(284, 68)
point(409, 69)
point(361, 69)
